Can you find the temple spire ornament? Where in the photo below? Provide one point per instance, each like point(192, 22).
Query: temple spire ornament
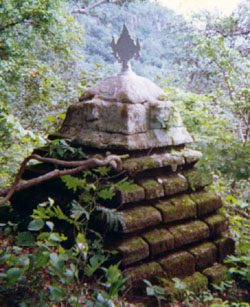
point(125, 49)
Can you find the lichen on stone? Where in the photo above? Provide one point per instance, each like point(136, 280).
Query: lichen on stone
point(206, 202)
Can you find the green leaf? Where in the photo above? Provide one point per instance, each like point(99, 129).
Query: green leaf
point(25, 239)
point(36, 225)
point(13, 275)
point(57, 293)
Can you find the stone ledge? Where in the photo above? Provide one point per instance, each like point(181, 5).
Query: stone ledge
point(173, 184)
point(225, 246)
point(159, 240)
point(177, 208)
point(140, 217)
point(152, 188)
point(133, 250)
point(216, 273)
point(205, 255)
point(189, 232)
point(206, 202)
point(217, 224)
point(178, 264)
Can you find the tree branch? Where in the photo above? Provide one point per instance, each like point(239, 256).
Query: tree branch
point(88, 9)
point(78, 166)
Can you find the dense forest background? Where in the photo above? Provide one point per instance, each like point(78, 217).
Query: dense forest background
point(52, 50)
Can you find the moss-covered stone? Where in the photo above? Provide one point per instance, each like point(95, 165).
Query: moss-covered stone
point(153, 189)
point(178, 264)
point(140, 164)
point(196, 179)
point(173, 184)
point(191, 155)
point(159, 240)
point(177, 208)
point(133, 250)
point(225, 246)
point(216, 273)
point(149, 271)
point(189, 232)
point(205, 255)
point(217, 223)
point(139, 218)
point(136, 193)
point(206, 202)
point(196, 282)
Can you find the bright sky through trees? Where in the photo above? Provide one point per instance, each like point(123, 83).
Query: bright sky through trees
point(186, 7)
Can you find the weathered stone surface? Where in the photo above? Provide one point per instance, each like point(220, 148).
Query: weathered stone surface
point(206, 202)
point(136, 193)
point(173, 184)
point(150, 139)
point(125, 87)
point(189, 232)
point(225, 246)
point(133, 250)
point(140, 164)
point(147, 271)
point(205, 255)
point(163, 111)
point(196, 282)
point(177, 208)
point(178, 264)
point(98, 115)
point(139, 218)
point(197, 179)
point(159, 240)
point(191, 155)
point(152, 188)
point(216, 273)
point(217, 223)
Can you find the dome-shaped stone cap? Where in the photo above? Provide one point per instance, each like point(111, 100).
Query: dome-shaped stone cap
point(126, 87)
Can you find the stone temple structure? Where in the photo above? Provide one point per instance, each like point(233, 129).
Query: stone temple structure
point(170, 225)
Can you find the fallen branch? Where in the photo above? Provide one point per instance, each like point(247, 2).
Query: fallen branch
point(78, 166)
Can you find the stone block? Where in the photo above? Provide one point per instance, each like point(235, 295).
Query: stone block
point(133, 250)
point(106, 140)
point(139, 217)
point(163, 112)
point(178, 264)
point(173, 184)
point(217, 224)
point(159, 240)
point(205, 255)
point(189, 232)
point(225, 246)
point(135, 194)
point(177, 208)
point(153, 189)
point(206, 202)
point(148, 271)
point(216, 273)
point(196, 179)
point(140, 164)
point(191, 155)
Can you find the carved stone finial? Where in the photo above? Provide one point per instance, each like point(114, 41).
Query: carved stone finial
point(125, 49)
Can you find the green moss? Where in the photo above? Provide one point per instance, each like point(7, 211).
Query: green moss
point(149, 271)
point(159, 240)
point(206, 202)
point(196, 282)
point(152, 188)
point(205, 255)
point(175, 184)
point(217, 223)
point(133, 250)
point(136, 165)
point(216, 273)
point(140, 217)
point(189, 232)
point(179, 264)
